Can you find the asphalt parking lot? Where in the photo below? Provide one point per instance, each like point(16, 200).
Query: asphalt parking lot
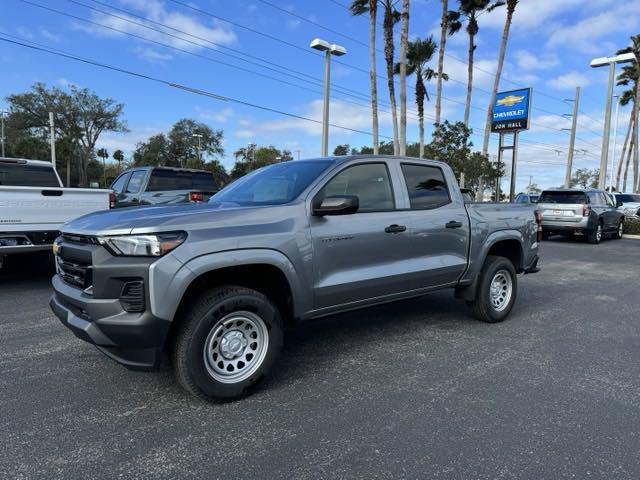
point(409, 390)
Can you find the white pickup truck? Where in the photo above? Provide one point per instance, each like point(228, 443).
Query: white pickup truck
point(34, 205)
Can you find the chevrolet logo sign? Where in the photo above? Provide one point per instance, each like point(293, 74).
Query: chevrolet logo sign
point(510, 100)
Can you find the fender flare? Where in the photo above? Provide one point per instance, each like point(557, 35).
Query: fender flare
point(167, 306)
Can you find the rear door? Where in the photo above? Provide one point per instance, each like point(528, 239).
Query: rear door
point(611, 214)
point(363, 255)
point(439, 227)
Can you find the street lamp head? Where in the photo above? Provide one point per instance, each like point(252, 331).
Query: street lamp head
point(324, 46)
point(602, 61)
point(319, 44)
point(338, 50)
point(196, 135)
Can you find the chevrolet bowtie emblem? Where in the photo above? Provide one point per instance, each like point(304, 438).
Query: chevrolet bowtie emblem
point(510, 100)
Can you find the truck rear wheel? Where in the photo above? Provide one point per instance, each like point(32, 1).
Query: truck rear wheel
point(497, 290)
point(228, 341)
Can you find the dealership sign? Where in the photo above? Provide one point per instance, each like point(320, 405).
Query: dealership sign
point(511, 111)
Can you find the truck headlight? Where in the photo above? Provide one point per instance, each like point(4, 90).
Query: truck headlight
point(147, 245)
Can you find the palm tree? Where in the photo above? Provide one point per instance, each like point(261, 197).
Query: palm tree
point(628, 76)
point(444, 29)
point(511, 7)
point(359, 7)
point(102, 153)
point(391, 16)
point(631, 75)
point(118, 156)
point(404, 39)
point(470, 10)
point(419, 53)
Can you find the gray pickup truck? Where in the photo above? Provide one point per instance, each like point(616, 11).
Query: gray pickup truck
point(213, 285)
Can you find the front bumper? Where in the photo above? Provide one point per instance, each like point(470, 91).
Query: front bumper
point(134, 340)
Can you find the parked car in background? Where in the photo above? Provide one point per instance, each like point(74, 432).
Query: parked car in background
point(162, 186)
point(591, 213)
point(34, 205)
point(630, 204)
point(527, 198)
point(215, 284)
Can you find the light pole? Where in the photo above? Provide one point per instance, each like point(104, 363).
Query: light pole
point(338, 51)
point(611, 62)
point(2, 112)
point(199, 136)
point(615, 134)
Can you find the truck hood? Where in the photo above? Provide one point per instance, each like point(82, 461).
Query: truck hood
point(170, 218)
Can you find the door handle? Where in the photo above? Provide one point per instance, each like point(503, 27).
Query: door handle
point(395, 228)
point(453, 224)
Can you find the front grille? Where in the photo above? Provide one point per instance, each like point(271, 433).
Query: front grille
point(70, 237)
point(75, 273)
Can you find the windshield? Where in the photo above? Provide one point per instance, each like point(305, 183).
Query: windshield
point(273, 185)
point(562, 197)
point(628, 198)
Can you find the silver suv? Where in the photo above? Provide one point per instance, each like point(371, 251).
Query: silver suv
point(591, 213)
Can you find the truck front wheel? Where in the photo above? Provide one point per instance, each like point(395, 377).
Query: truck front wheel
point(227, 342)
point(497, 290)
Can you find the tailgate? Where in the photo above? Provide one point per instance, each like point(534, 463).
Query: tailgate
point(561, 211)
point(36, 208)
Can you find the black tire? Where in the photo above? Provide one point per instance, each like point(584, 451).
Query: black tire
point(619, 233)
point(595, 236)
point(482, 306)
point(211, 312)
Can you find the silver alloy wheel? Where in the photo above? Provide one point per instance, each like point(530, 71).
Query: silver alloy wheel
point(599, 233)
point(501, 290)
point(236, 347)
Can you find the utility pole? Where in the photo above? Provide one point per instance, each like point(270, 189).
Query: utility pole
point(530, 182)
point(298, 152)
point(53, 140)
point(572, 141)
point(2, 112)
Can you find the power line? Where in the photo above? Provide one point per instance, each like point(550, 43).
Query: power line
point(205, 93)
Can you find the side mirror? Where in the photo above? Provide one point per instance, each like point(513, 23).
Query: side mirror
point(337, 205)
point(619, 203)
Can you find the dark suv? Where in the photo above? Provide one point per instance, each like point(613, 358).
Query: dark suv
point(161, 186)
point(592, 213)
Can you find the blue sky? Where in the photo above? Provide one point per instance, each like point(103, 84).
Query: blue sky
point(550, 48)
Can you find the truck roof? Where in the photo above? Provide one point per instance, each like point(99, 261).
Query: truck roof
point(25, 161)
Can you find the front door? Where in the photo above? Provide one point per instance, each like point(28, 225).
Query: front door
point(362, 255)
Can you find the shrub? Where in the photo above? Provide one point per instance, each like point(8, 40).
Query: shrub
point(632, 226)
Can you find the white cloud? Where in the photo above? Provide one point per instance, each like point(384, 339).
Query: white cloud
point(532, 14)
point(569, 81)
point(218, 116)
point(152, 55)
point(586, 34)
point(198, 34)
point(47, 35)
point(25, 33)
point(528, 61)
point(63, 82)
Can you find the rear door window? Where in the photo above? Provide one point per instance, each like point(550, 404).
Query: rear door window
point(27, 175)
point(135, 184)
point(166, 179)
point(426, 186)
point(563, 197)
